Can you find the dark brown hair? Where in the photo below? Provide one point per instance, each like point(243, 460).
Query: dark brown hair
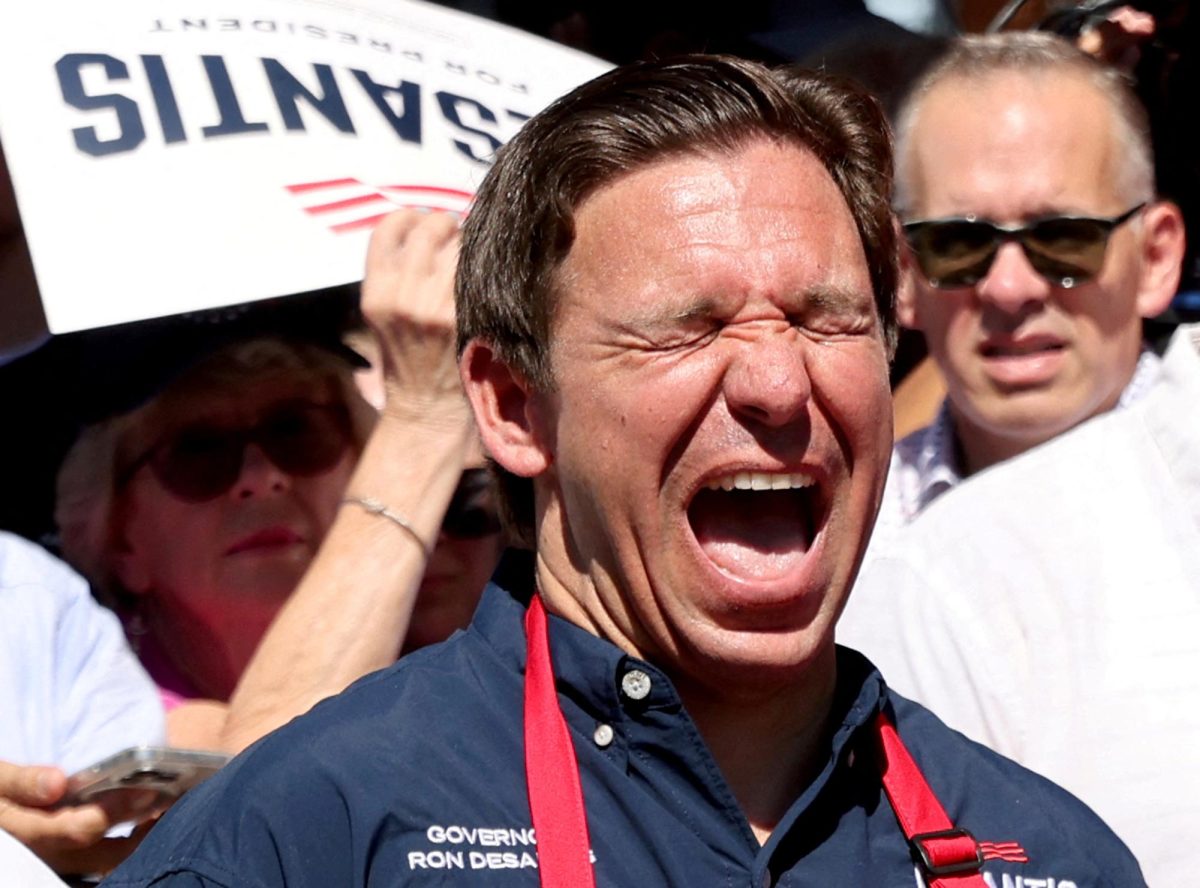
point(522, 224)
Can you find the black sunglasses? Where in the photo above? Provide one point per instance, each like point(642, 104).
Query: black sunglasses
point(1065, 250)
point(202, 461)
point(472, 511)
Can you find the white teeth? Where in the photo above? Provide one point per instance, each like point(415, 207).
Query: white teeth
point(761, 481)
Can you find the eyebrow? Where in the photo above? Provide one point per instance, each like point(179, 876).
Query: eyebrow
point(660, 315)
point(835, 298)
point(701, 308)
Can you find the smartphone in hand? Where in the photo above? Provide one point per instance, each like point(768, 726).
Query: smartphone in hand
point(141, 781)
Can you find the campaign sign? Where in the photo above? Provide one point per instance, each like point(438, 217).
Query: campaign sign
point(173, 155)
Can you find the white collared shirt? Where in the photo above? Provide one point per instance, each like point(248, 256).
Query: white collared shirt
point(925, 463)
point(71, 690)
point(1050, 608)
point(21, 867)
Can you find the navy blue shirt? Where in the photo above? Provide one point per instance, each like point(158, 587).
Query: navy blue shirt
point(415, 776)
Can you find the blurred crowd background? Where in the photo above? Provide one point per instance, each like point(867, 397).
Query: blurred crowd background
point(132, 381)
point(883, 44)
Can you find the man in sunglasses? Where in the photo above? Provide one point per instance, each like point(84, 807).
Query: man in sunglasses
point(1036, 247)
point(1047, 606)
point(674, 324)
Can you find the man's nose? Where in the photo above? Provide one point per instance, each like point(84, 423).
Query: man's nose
point(767, 379)
point(1012, 283)
point(259, 476)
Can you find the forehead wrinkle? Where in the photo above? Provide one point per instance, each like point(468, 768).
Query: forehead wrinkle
point(753, 243)
point(717, 209)
point(728, 229)
point(753, 266)
point(753, 277)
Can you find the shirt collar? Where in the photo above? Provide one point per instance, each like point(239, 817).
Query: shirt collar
point(590, 666)
point(932, 452)
point(925, 465)
point(590, 669)
point(1145, 374)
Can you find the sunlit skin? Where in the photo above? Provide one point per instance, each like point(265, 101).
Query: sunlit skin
point(716, 315)
point(458, 569)
point(1025, 360)
point(212, 575)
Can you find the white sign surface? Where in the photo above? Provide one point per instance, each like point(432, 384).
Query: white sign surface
point(171, 155)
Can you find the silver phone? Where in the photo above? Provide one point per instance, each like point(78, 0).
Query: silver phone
point(141, 781)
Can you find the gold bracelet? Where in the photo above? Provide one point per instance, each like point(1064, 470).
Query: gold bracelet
point(375, 507)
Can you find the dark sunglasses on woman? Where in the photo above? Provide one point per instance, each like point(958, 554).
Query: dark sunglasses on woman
point(472, 510)
point(202, 461)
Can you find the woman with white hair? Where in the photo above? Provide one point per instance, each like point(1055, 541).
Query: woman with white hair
point(204, 510)
point(257, 489)
point(196, 514)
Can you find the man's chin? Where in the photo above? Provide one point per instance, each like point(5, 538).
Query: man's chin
point(1029, 418)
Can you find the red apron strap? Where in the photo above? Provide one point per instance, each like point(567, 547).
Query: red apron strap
point(551, 771)
point(949, 855)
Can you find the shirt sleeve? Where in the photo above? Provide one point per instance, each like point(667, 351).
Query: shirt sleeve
point(102, 699)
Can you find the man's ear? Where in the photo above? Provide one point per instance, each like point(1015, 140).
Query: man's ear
point(906, 285)
point(508, 412)
point(1163, 243)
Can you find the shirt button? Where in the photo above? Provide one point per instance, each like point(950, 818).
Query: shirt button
point(636, 684)
point(764, 881)
point(603, 735)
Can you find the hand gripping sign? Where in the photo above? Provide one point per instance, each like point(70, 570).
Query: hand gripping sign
point(174, 155)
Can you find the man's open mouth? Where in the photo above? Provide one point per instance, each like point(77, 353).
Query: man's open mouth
point(756, 525)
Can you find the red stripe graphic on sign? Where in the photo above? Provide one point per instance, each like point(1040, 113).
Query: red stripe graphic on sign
point(368, 222)
point(345, 204)
point(430, 189)
point(349, 204)
point(312, 186)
